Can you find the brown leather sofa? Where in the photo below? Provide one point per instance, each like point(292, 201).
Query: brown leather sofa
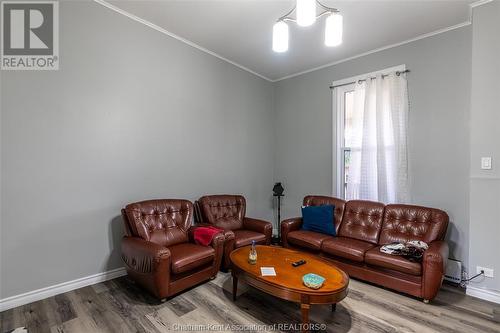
point(228, 212)
point(362, 227)
point(159, 251)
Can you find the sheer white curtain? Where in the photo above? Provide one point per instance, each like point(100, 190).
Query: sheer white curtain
point(379, 156)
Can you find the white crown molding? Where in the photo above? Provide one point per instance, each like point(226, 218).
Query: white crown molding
point(192, 44)
point(171, 34)
point(479, 3)
point(39, 294)
point(474, 5)
point(179, 38)
point(484, 294)
point(430, 34)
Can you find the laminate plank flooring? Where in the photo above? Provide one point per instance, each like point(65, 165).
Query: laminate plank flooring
point(121, 306)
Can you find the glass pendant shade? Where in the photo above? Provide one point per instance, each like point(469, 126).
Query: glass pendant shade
point(333, 30)
point(280, 37)
point(306, 12)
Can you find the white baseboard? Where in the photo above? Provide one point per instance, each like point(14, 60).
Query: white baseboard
point(486, 294)
point(39, 294)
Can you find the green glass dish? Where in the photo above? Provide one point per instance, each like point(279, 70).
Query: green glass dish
point(313, 281)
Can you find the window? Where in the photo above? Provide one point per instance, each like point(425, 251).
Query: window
point(345, 108)
point(371, 113)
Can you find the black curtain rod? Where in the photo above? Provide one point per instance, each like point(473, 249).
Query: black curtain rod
point(398, 73)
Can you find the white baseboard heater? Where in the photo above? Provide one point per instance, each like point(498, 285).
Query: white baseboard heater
point(453, 271)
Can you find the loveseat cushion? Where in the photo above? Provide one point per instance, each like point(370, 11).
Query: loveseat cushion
point(347, 248)
point(362, 220)
point(162, 221)
point(245, 237)
point(188, 256)
point(223, 211)
point(398, 263)
point(404, 223)
point(308, 239)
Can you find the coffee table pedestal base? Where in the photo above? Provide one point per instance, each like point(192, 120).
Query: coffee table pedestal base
point(304, 305)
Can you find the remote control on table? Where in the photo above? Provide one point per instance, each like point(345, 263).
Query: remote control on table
point(298, 263)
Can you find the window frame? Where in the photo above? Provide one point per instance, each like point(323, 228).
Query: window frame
point(341, 149)
point(338, 124)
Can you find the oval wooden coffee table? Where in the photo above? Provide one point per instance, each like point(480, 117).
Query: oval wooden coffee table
point(287, 284)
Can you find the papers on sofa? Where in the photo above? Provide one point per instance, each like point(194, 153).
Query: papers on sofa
point(267, 271)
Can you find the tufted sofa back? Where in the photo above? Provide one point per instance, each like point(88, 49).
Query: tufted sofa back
point(223, 211)
point(362, 220)
point(319, 200)
point(164, 222)
point(403, 223)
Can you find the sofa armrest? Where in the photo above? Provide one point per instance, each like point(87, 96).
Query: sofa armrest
point(287, 226)
point(217, 244)
point(217, 240)
point(228, 234)
point(143, 256)
point(260, 226)
point(148, 264)
point(434, 266)
point(228, 248)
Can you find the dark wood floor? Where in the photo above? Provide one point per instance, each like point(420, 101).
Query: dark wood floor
point(120, 306)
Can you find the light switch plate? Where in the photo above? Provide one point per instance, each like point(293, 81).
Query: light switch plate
point(486, 163)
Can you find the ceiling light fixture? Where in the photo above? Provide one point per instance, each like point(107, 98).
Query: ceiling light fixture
point(280, 37)
point(306, 12)
point(306, 16)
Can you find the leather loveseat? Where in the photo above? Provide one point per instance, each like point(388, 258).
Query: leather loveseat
point(228, 212)
point(362, 227)
point(159, 251)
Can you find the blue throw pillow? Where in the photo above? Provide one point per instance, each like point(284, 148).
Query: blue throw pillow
point(319, 219)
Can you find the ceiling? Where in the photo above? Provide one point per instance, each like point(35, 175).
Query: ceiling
point(241, 30)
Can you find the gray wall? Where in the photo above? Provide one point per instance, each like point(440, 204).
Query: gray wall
point(439, 92)
point(130, 115)
point(133, 114)
point(484, 140)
